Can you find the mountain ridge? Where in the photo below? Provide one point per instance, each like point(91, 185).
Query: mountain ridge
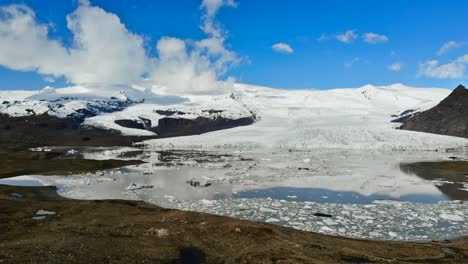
point(449, 117)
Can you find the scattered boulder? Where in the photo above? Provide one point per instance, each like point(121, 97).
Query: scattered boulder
point(42, 214)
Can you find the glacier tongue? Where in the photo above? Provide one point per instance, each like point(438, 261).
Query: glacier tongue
point(339, 118)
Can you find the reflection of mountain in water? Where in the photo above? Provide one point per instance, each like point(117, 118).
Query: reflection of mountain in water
point(432, 171)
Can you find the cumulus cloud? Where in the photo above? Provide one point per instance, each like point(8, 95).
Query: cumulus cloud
point(451, 70)
point(103, 50)
point(373, 38)
point(347, 37)
point(283, 48)
point(396, 67)
point(212, 6)
point(195, 66)
point(447, 46)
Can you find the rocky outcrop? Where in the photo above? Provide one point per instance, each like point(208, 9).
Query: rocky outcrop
point(140, 123)
point(449, 117)
point(46, 130)
point(171, 127)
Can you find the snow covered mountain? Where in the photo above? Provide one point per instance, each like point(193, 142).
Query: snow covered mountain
point(292, 119)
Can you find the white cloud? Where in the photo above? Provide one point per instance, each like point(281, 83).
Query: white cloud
point(352, 62)
point(347, 37)
point(452, 70)
point(396, 67)
point(463, 59)
point(212, 7)
point(195, 66)
point(447, 46)
point(282, 47)
point(104, 52)
point(373, 38)
point(323, 37)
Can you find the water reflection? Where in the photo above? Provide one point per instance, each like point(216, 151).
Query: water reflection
point(21, 181)
point(322, 175)
point(449, 183)
point(329, 196)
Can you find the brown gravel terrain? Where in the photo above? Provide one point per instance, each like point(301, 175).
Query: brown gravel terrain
point(25, 162)
point(135, 232)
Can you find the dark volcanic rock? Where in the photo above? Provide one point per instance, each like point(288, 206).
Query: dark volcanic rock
point(171, 127)
point(137, 124)
point(140, 123)
point(449, 117)
point(405, 116)
point(46, 130)
point(169, 112)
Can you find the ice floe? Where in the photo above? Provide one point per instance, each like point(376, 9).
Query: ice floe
point(383, 220)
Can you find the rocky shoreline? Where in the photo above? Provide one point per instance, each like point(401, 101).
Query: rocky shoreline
point(40, 226)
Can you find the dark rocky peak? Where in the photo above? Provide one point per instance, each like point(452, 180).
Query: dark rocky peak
point(449, 117)
point(460, 88)
point(457, 99)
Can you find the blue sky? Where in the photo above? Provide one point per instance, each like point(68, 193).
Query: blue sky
point(414, 30)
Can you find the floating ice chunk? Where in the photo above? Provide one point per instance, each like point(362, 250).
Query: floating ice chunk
point(329, 221)
point(272, 220)
point(203, 182)
point(389, 202)
point(136, 186)
point(326, 229)
point(266, 210)
point(465, 187)
point(392, 234)
point(452, 217)
point(307, 160)
point(39, 149)
point(292, 196)
point(38, 218)
point(207, 202)
point(72, 151)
